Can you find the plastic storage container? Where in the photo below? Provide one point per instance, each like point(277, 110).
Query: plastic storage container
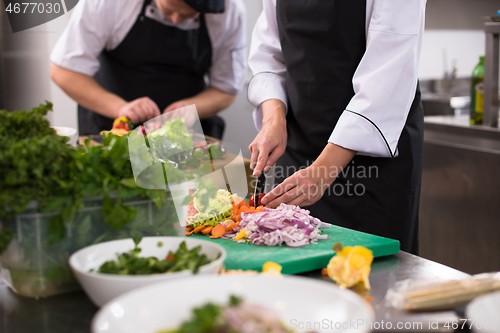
point(34, 268)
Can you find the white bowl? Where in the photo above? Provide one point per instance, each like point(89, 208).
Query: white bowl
point(101, 288)
point(71, 133)
point(482, 313)
point(303, 304)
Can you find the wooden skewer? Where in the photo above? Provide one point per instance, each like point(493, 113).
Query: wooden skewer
point(448, 294)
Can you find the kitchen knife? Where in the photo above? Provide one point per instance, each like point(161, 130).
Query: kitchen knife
point(259, 188)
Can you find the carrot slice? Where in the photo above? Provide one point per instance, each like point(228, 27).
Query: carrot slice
point(207, 229)
point(235, 212)
point(230, 226)
point(244, 209)
point(199, 228)
point(243, 203)
point(238, 200)
point(188, 233)
point(189, 228)
point(218, 231)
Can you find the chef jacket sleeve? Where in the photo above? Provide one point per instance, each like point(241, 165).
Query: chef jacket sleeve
point(228, 35)
point(385, 80)
point(93, 26)
point(266, 62)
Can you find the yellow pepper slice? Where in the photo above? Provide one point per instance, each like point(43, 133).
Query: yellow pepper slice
point(241, 234)
point(272, 268)
point(351, 265)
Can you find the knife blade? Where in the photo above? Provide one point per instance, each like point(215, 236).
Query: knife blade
point(259, 188)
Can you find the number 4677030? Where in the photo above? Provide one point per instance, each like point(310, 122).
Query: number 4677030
point(33, 7)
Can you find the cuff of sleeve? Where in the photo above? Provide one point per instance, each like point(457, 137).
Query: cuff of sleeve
point(226, 88)
point(262, 87)
point(356, 132)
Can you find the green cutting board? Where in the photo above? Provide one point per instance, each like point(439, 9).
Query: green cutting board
point(303, 259)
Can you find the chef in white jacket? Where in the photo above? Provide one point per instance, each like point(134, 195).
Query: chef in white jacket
point(139, 58)
point(337, 106)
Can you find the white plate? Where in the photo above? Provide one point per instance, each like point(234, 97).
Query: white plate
point(483, 313)
point(299, 302)
point(101, 288)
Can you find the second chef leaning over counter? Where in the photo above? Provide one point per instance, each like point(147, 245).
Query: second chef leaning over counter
point(139, 58)
point(338, 107)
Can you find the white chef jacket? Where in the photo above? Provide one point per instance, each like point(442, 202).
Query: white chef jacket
point(384, 82)
point(96, 25)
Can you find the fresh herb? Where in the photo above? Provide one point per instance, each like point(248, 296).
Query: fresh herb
point(77, 190)
point(235, 300)
point(214, 151)
point(211, 318)
point(204, 319)
point(130, 263)
point(35, 162)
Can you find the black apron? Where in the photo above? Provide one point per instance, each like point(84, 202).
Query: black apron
point(161, 62)
point(323, 43)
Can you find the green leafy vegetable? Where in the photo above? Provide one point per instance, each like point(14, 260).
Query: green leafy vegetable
point(213, 205)
point(212, 318)
point(130, 263)
point(76, 189)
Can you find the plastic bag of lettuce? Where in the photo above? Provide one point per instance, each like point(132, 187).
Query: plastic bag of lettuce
point(55, 199)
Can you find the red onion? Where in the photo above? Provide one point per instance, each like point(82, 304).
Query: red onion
point(286, 224)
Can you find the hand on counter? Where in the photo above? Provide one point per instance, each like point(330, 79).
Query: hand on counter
point(270, 143)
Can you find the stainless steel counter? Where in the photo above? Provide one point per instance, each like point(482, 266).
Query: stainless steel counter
point(456, 131)
point(460, 195)
point(72, 313)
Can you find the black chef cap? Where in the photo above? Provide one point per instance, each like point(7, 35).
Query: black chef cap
point(207, 6)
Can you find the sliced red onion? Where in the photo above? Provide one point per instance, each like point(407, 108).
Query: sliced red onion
point(287, 224)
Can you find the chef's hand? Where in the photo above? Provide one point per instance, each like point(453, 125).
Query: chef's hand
point(270, 143)
point(139, 110)
point(308, 185)
point(175, 110)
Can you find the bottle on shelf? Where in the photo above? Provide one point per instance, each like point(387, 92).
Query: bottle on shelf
point(477, 94)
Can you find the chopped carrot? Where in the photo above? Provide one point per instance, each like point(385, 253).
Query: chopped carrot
point(218, 231)
point(245, 209)
point(238, 200)
point(188, 228)
point(230, 226)
point(324, 272)
point(207, 229)
point(235, 212)
point(199, 228)
point(243, 203)
point(188, 233)
point(259, 209)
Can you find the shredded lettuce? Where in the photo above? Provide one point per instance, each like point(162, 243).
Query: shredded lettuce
point(219, 208)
